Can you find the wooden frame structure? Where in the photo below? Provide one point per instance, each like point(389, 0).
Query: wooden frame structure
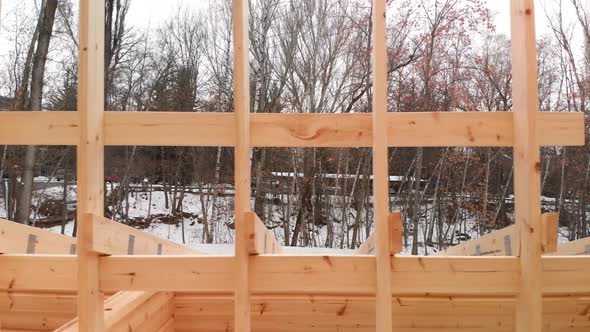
point(256, 290)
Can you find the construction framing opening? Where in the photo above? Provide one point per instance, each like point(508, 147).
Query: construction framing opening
point(147, 284)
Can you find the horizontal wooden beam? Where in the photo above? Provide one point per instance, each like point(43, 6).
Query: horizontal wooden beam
point(38, 273)
point(169, 129)
point(17, 238)
point(323, 313)
point(39, 128)
point(578, 247)
point(261, 240)
point(290, 130)
point(113, 238)
point(16, 301)
point(414, 276)
point(505, 241)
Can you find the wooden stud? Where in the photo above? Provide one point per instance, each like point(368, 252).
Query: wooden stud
point(550, 229)
point(90, 159)
point(242, 154)
point(384, 322)
point(395, 233)
point(527, 165)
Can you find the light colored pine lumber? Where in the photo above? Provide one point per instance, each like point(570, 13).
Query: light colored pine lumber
point(527, 165)
point(578, 247)
point(17, 238)
point(382, 241)
point(290, 130)
point(38, 273)
point(395, 233)
point(320, 313)
point(550, 229)
point(90, 159)
point(131, 311)
point(58, 302)
point(505, 241)
point(242, 153)
point(39, 128)
point(282, 275)
point(170, 129)
point(168, 326)
point(261, 241)
point(113, 238)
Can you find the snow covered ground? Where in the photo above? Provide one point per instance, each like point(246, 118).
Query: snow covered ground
point(221, 221)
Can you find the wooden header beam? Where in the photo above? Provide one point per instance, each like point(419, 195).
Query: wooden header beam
point(290, 130)
point(505, 241)
point(261, 241)
point(395, 233)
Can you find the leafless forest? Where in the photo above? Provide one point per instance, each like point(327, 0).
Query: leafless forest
point(307, 56)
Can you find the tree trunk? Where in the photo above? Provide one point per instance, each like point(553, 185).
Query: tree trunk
point(416, 212)
point(65, 198)
point(24, 205)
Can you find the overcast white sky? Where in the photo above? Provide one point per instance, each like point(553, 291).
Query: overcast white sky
point(143, 11)
point(152, 12)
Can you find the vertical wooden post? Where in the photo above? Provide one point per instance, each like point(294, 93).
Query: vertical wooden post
point(90, 158)
point(242, 163)
point(380, 169)
point(527, 165)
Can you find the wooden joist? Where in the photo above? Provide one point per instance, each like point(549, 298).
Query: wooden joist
point(113, 238)
point(395, 233)
point(578, 247)
point(505, 241)
point(261, 241)
point(110, 238)
point(414, 276)
point(133, 311)
point(290, 130)
point(17, 238)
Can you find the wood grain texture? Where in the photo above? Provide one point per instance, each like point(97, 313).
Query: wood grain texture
point(242, 154)
point(506, 241)
point(395, 231)
point(261, 240)
point(17, 238)
point(290, 130)
point(113, 238)
point(90, 160)
point(284, 275)
point(527, 165)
